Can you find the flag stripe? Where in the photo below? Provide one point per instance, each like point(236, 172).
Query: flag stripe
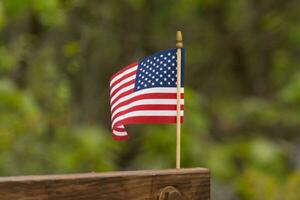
point(147, 107)
point(153, 99)
point(117, 91)
point(149, 120)
point(122, 98)
point(123, 72)
point(144, 113)
point(120, 92)
point(141, 97)
point(122, 83)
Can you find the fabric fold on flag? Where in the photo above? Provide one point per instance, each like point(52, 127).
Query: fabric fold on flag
point(145, 92)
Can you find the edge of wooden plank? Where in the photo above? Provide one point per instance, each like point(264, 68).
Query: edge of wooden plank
point(93, 175)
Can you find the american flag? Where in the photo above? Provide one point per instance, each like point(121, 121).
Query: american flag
point(145, 92)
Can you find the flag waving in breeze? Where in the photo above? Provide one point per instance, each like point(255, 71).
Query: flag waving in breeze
point(145, 92)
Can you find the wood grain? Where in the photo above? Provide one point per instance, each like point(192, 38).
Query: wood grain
point(131, 185)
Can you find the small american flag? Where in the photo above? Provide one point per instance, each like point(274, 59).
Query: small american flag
point(145, 92)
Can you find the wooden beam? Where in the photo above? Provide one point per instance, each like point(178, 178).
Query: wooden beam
point(132, 185)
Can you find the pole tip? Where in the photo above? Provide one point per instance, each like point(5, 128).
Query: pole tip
point(179, 42)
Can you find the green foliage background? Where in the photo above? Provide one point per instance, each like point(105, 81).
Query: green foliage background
point(242, 114)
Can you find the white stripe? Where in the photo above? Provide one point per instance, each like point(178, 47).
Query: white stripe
point(147, 102)
point(118, 133)
point(125, 89)
point(121, 83)
point(123, 74)
point(145, 91)
point(145, 113)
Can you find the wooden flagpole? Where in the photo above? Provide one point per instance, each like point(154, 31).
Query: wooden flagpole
point(179, 45)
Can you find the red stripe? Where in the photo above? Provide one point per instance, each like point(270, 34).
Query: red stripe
point(124, 69)
point(148, 107)
point(120, 138)
point(149, 120)
point(122, 95)
point(119, 129)
point(147, 96)
point(121, 87)
point(122, 78)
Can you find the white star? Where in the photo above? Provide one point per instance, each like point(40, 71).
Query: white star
point(147, 72)
point(169, 75)
point(152, 83)
point(161, 83)
point(148, 60)
point(165, 79)
point(151, 62)
point(173, 57)
point(173, 79)
point(160, 69)
point(157, 60)
point(138, 87)
point(161, 62)
point(146, 79)
point(169, 60)
point(145, 85)
point(165, 72)
point(143, 76)
point(173, 64)
point(165, 58)
point(165, 64)
point(169, 83)
point(149, 81)
point(169, 54)
point(169, 68)
point(160, 75)
point(161, 55)
point(156, 79)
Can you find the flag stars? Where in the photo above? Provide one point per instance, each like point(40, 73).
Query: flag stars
point(157, 71)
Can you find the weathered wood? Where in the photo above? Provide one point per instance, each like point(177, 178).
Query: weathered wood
point(134, 185)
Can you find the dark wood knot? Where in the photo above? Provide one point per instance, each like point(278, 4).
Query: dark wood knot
point(169, 193)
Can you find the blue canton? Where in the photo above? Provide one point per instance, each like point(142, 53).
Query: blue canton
point(159, 70)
